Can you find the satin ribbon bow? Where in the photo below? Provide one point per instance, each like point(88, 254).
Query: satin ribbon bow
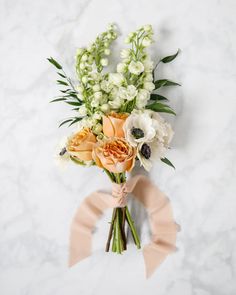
point(163, 227)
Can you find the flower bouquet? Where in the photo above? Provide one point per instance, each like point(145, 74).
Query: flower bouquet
point(117, 117)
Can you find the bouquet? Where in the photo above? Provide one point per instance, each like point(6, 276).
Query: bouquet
point(116, 117)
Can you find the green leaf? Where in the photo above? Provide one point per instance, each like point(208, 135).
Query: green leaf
point(75, 121)
point(74, 103)
point(58, 99)
point(60, 74)
point(160, 107)
point(170, 57)
point(157, 97)
point(62, 83)
point(64, 122)
point(55, 63)
point(168, 162)
point(165, 82)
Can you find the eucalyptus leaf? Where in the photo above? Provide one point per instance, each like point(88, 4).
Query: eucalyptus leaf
point(76, 120)
point(58, 99)
point(64, 122)
point(74, 103)
point(168, 162)
point(160, 107)
point(170, 57)
point(60, 74)
point(55, 63)
point(158, 97)
point(164, 83)
point(62, 82)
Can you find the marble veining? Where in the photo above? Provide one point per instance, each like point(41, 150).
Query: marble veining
point(38, 200)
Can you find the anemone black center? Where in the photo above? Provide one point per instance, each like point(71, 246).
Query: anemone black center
point(137, 133)
point(62, 152)
point(146, 151)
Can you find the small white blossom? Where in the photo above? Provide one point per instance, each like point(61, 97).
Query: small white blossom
point(146, 42)
point(106, 86)
point(96, 87)
point(107, 51)
point(121, 67)
point(116, 79)
point(136, 68)
point(149, 86)
point(104, 62)
point(125, 53)
point(105, 108)
point(83, 110)
point(148, 64)
point(142, 98)
point(98, 95)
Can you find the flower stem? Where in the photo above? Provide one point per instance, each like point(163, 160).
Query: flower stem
point(132, 228)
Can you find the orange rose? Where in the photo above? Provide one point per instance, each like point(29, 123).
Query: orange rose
point(115, 155)
point(80, 145)
point(113, 124)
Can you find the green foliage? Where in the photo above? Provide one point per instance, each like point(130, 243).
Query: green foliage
point(158, 97)
point(160, 107)
point(164, 83)
point(170, 57)
point(167, 162)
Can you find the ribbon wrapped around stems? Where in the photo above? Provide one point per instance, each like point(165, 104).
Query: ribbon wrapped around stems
point(163, 227)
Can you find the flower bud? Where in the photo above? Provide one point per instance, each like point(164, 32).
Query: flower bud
point(104, 62)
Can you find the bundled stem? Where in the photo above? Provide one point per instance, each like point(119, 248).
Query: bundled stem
point(117, 226)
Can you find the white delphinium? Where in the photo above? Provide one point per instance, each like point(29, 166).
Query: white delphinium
point(121, 67)
point(136, 68)
point(127, 93)
point(116, 79)
point(106, 86)
point(149, 86)
point(142, 98)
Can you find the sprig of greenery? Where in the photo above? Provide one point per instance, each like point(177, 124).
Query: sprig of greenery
point(69, 94)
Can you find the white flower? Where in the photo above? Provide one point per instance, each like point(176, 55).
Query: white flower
point(61, 156)
point(97, 128)
point(98, 95)
point(148, 64)
point(116, 103)
point(107, 51)
point(116, 79)
point(148, 77)
point(164, 132)
point(149, 86)
point(136, 68)
point(121, 67)
point(150, 152)
point(147, 28)
point(125, 53)
point(96, 76)
point(83, 110)
point(146, 42)
point(105, 108)
point(138, 128)
point(104, 62)
point(142, 98)
point(106, 86)
point(96, 87)
point(84, 79)
point(128, 93)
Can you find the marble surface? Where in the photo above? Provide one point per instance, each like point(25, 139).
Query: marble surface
point(37, 200)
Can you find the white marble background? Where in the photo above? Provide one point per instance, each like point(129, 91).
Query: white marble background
point(37, 201)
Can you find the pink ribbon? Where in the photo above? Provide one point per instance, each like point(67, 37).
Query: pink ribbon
point(163, 227)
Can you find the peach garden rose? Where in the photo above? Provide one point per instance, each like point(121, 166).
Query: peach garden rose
point(113, 124)
point(80, 145)
point(114, 154)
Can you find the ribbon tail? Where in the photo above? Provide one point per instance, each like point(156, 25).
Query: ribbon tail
point(83, 224)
